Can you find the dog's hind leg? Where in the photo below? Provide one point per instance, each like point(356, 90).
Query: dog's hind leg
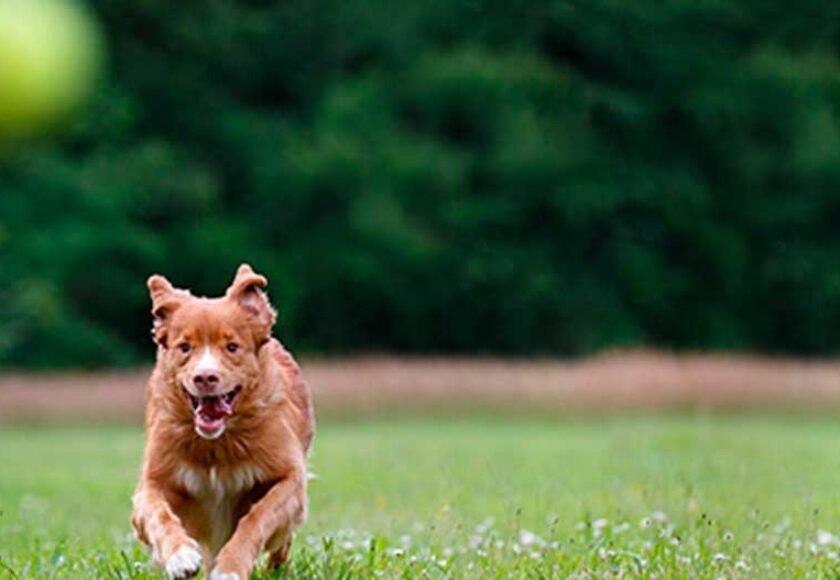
point(280, 556)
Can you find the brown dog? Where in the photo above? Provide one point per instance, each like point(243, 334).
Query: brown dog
point(228, 426)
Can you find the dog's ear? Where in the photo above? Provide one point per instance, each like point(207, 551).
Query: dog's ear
point(247, 290)
point(165, 300)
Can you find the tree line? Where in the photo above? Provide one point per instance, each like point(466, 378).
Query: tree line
point(525, 178)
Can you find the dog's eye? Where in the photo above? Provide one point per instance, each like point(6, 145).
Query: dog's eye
point(184, 347)
point(232, 347)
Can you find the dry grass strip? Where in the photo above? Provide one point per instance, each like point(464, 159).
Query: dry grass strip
point(618, 381)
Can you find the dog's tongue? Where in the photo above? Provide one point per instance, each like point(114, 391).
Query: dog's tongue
point(213, 407)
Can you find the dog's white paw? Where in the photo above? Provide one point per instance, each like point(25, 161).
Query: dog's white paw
point(185, 563)
point(216, 575)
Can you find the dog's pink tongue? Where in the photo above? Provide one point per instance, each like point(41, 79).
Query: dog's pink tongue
point(213, 407)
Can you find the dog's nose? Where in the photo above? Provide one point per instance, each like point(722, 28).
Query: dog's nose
point(206, 380)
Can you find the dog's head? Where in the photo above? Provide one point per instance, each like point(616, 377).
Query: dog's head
point(209, 348)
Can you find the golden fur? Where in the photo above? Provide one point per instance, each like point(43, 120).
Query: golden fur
point(221, 495)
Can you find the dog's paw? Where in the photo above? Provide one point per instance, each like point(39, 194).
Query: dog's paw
point(185, 563)
point(216, 575)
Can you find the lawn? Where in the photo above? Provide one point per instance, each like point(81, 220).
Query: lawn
point(687, 496)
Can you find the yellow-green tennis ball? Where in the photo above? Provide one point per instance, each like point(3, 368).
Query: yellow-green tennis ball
point(50, 58)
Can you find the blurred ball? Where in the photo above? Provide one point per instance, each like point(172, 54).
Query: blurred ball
point(50, 58)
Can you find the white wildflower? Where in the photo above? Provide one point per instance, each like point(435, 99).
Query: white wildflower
point(527, 538)
point(600, 523)
point(598, 527)
point(825, 538)
point(660, 517)
point(621, 528)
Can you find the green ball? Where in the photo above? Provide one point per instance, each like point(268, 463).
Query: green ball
point(50, 58)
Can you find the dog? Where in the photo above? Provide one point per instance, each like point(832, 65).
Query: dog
point(229, 422)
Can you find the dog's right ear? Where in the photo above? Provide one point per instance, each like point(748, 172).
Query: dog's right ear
point(165, 300)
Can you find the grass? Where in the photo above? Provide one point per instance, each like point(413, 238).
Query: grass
point(668, 497)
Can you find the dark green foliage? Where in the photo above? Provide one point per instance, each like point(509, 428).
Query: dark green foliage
point(526, 178)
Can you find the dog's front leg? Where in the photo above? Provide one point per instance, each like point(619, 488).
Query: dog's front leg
point(279, 510)
point(157, 526)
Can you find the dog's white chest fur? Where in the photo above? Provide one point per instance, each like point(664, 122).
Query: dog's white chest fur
point(217, 496)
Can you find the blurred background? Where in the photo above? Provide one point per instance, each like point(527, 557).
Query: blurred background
point(528, 179)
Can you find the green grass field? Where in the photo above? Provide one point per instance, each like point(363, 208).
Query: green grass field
point(669, 497)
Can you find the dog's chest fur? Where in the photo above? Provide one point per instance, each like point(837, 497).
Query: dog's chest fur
point(216, 497)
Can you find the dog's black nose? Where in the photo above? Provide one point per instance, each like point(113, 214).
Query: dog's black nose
point(206, 380)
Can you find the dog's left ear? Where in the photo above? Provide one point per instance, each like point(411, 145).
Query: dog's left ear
point(247, 290)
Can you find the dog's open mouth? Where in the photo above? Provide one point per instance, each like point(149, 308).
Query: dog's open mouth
point(211, 411)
